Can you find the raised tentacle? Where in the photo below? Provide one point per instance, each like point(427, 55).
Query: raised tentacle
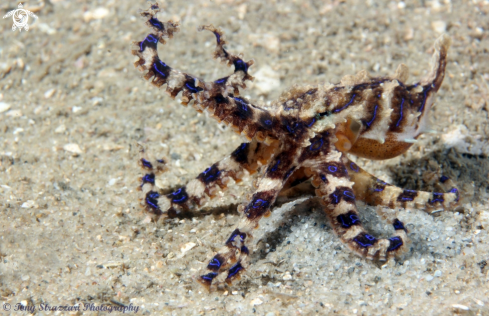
point(240, 66)
point(220, 97)
point(185, 200)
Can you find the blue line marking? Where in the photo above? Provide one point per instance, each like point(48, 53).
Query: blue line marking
point(345, 106)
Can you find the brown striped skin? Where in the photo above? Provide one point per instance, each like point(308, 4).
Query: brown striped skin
point(298, 144)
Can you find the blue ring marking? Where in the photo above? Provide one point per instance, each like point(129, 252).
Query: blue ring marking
point(178, 199)
point(332, 169)
point(218, 37)
point(260, 203)
point(191, 86)
point(380, 186)
point(373, 118)
point(150, 39)
point(234, 270)
point(318, 144)
point(289, 173)
point(347, 105)
point(268, 122)
point(437, 197)
point(275, 167)
point(148, 178)
point(349, 194)
point(370, 240)
point(208, 176)
point(336, 198)
point(395, 243)
point(243, 146)
point(151, 200)
point(240, 65)
point(400, 112)
point(241, 103)
point(354, 167)
point(354, 219)
point(323, 177)
point(398, 225)
point(209, 276)
point(214, 264)
point(221, 81)
point(235, 233)
point(425, 91)
point(312, 122)
point(343, 221)
point(156, 23)
point(455, 190)
point(155, 67)
point(408, 198)
point(160, 160)
point(348, 220)
point(245, 250)
point(443, 179)
point(146, 163)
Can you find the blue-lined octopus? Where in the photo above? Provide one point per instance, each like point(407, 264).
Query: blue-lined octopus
point(305, 135)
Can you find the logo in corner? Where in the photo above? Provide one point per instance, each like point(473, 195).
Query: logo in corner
point(20, 17)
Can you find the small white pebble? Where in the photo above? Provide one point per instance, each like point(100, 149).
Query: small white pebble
point(429, 278)
point(48, 94)
point(73, 148)
point(437, 273)
point(459, 306)
point(96, 14)
point(76, 109)
point(439, 26)
point(478, 302)
point(4, 107)
point(18, 130)
point(14, 113)
point(60, 129)
point(187, 247)
point(287, 276)
point(256, 301)
point(28, 204)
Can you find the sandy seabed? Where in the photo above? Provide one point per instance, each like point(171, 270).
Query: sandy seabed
point(73, 108)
